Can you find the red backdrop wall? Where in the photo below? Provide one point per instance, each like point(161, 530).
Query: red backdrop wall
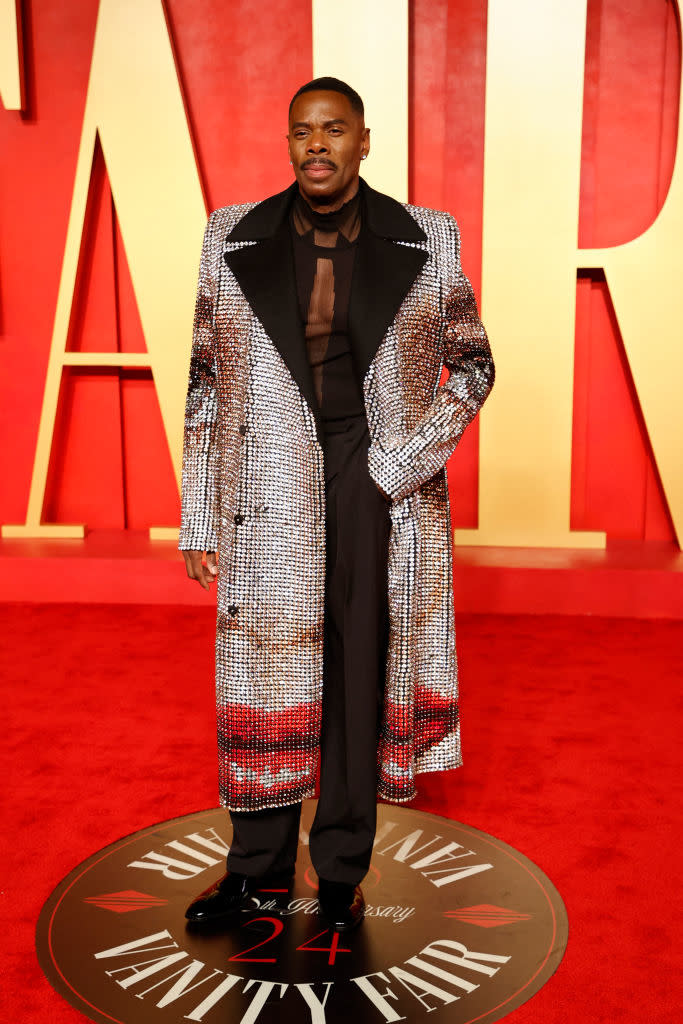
point(238, 63)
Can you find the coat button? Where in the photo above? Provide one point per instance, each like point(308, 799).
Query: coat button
point(242, 429)
point(239, 519)
point(233, 609)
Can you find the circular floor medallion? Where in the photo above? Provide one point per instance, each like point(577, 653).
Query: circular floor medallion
point(457, 922)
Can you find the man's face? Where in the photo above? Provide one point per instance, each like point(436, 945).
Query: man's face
point(326, 141)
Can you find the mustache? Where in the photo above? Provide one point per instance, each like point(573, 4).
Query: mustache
point(318, 161)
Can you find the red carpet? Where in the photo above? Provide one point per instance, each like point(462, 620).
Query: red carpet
point(571, 747)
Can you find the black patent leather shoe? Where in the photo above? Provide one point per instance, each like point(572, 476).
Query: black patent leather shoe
point(341, 906)
point(233, 891)
point(224, 897)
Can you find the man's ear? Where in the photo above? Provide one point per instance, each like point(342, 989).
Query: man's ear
point(366, 141)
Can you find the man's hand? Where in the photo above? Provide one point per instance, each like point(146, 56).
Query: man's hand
point(196, 570)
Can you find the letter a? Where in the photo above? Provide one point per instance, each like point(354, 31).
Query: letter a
point(134, 105)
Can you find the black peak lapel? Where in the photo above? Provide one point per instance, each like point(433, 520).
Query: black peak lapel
point(383, 273)
point(388, 218)
point(265, 273)
point(265, 218)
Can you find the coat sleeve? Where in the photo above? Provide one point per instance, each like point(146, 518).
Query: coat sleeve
point(198, 525)
point(401, 468)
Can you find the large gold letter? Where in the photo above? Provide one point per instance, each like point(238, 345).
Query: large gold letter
point(534, 91)
point(645, 279)
point(366, 45)
point(135, 106)
point(534, 87)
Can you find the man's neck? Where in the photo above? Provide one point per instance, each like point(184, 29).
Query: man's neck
point(324, 224)
point(333, 203)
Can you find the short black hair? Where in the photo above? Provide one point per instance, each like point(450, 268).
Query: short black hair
point(328, 84)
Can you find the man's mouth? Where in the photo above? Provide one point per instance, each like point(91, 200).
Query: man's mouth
point(318, 168)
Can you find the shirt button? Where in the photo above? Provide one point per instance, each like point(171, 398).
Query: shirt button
point(239, 519)
point(233, 609)
point(242, 428)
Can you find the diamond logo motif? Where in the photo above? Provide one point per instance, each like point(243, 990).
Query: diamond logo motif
point(486, 916)
point(124, 902)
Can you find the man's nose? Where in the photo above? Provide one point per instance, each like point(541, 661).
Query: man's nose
point(316, 144)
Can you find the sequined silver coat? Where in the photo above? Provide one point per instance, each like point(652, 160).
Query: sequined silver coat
point(253, 485)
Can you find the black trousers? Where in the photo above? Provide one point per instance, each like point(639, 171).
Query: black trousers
point(354, 663)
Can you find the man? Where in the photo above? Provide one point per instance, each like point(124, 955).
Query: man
point(316, 436)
